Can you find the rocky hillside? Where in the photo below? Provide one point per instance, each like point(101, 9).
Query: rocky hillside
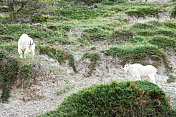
point(83, 45)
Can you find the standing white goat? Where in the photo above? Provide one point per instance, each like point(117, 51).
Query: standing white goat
point(138, 71)
point(26, 44)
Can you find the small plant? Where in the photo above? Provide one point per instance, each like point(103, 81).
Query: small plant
point(5, 94)
point(62, 91)
point(93, 61)
point(24, 75)
point(72, 62)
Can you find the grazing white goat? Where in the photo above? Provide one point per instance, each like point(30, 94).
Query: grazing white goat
point(26, 44)
point(138, 71)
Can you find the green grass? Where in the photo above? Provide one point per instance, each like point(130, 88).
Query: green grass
point(144, 11)
point(149, 32)
point(136, 53)
point(12, 32)
point(139, 98)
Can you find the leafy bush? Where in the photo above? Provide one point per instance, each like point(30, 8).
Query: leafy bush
point(125, 99)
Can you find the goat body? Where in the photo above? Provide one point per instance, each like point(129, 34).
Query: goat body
point(26, 44)
point(138, 71)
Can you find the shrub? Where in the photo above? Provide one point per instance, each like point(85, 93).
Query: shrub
point(125, 99)
point(173, 12)
point(96, 34)
point(170, 24)
point(93, 61)
point(135, 52)
point(24, 75)
point(39, 18)
point(8, 74)
point(72, 62)
point(163, 42)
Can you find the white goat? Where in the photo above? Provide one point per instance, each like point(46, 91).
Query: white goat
point(26, 44)
point(138, 71)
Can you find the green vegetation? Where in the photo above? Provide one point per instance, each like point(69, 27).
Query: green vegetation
point(24, 74)
point(173, 12)
point(93, 61)
point(23, 11)
point(12, 32)
point(8, 74)
point(59, 55)
point(136, 53)
point(144, 41)
point(72, 62)
point(90, 2)
point(53, 53)
point(139, 98)
point(104, 22)
point(144, 11)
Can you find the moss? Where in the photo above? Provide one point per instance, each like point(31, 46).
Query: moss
point(93, 61)
point(139, 98)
